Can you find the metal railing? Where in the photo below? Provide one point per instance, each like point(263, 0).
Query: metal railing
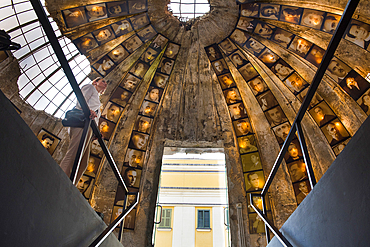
point(296, 126)
point(40, 12)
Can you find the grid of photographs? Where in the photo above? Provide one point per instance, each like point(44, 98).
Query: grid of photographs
point(75, 17)
point(135, 154)
point(247, 141)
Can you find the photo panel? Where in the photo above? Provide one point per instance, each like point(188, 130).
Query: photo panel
point(172, 50)
point(254, 181)
point(154, 94)
point(131, 176)
point(330, 23)
point(84, 185)
point(294, 152)
point(312, 18)
point(245, 24)
point(159, 80)
point(148, 108)
point(149, 56)
point(139, 21)
point(122, 27)
point(267, 100)
point(130, 82)
point(118, 54)
point(364, 102)
point(315, 55)
point(119, 199)
point(300, 46)
point(48, 140)
point(130, 200)
point(250, 9)
point(257, 202)
point(137, 6)
point(254, 46)
point(165, 66)
point(281, 69)
point(92, 166)
point(134, 158)
point(220, 67)
point(74, 17)
point(258, 85)
point(129, 221)
point(139, 69)
point(256, 224)
point(143, 124)
point(242, 127)
point(354, 84)
point(96, 11)
point(301, 190)
point(297, 170)
point(104, 35)
point(106, 128)
point(132, 43)
point(268, 57)
point(290, 14)
point(104, 66)
point(335, 132)
point(238, 59)
point(239, 36)
point(112, 112)
point(315, 99)
point(270, 11)
point(339, 147)
point(337, 70)
point(281, 132)
point(358, 33)
point(159, 43)
point(227, 46)
point(117, 211)
point(232, 96)
point(226, 81)
point(282, 37)
point(248, 72)
point(116, 9)
point(237, 111)
point(264, 30)
point(322, 114)
point(86, 43)
point(275, 116)
point(247, 144)
point(251, 162)
point(147, 33)
point(96, 149)
point(295, 83)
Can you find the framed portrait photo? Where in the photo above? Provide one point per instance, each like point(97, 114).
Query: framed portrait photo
point(48, 140)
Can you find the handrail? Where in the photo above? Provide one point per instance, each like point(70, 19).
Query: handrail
point(296, 126)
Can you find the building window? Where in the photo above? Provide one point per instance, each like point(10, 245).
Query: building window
point(189, 9)
point(166, 218)
point(203, 219)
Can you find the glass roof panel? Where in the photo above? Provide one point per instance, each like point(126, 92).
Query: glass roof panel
point(188, 9)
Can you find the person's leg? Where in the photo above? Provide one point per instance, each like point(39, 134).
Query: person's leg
point(68, 160)
point(85, 157)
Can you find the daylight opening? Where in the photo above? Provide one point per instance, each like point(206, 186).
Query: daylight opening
point(188, 9)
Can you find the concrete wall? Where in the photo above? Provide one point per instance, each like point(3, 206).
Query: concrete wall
point(336, 212)
point(39, 205)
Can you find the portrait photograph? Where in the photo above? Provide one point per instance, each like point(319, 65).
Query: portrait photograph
point(104, 66)
point(312, 18)
point(354, 84)
point(84, 185)
point(315, 99)
point(257, 202)
point(245, 24)
point(143, 124)
point(106, 128)
point(147, 33)
point(358, 33)
point(137, 6)
point(117, 8)
point(364, 102)
point(86, 43)
point(254, 181)
point(129, 222)
point(315, 55)
point(131, 176)
point(227, 46)
point(134, 158)
point(232, 96)
point(112, 112)
point(165, 66)
point(270, 11)
point(301, 190)
point(104, 35)
point(220, 67)
point(264, 30)
point(138, 141)
point(213, 52)
point(322, 114)
point(297, 170)
point(257, 85)
point(96, 12)
point(294, 152)
point(92, 165)
point(96, 149)
point(251, 162)
point(159, 80)
point(290, 14)
point(74, 17)
point(117, 211)
point(237, 111)
point(139, 21)
point(250, 9)
point(118, 54)
point(139, 69)
point(148, 108)
point(330, 23)
point(172, 50)
point(132, 43)
point(281, 69)
point(339, 147)
point(254, 46)
point(149, 55)
point(337, 70)
point(239, 37)
point(247, 144)
point(226, 81)
point(275, 116)
point(295, 83)
point(267, 100)
point(300, 46)
point(242, 127)
point(154, 94)
point(256, 225)
point(122, 27)
point(268, 57)
point(281, 132)
point(130, 82)
point(282, 37)
point(248, 72)
point(159, 43)
point(130, 200)
point(48, 140)
point(335, 132)
point(238, 59)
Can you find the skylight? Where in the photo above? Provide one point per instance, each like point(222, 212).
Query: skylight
point(188, 9)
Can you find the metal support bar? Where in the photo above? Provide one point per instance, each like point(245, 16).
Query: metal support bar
point(306, 156)
point(267, 222)
point(113, 225)
point(160, 216)
point(265, 213)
